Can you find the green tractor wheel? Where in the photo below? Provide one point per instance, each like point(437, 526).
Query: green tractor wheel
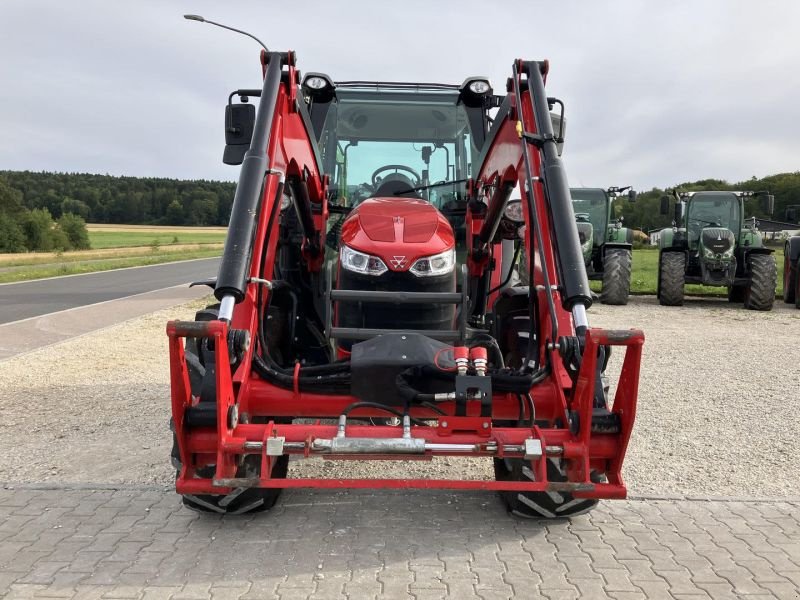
point(789, 280)
point(670, 278)
point(760, 292)
point(616, 276)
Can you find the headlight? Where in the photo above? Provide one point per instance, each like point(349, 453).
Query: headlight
point(438, 264)
point(358, 262)
point(513, 211)
point(286, 202)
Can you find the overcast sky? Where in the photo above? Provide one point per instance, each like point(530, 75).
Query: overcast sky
point(656, 92)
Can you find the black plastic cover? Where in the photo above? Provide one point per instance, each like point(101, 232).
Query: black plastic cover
point(376, 363)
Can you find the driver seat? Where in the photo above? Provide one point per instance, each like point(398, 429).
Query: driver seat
point(396, 184)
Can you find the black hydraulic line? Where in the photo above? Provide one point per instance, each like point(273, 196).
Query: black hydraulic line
point(534, 238)
point(568, 247)
point(302, 203)
point(235, 265)
point(510, 271)
point(495, 212)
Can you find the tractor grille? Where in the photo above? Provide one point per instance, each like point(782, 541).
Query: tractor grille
point(718, 239)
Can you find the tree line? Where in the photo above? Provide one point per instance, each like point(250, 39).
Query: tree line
point(124, 200)
point(43, 211)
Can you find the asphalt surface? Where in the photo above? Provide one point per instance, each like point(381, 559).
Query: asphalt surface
point(43, 296)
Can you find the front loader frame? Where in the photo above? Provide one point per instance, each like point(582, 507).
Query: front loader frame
point(564, 425)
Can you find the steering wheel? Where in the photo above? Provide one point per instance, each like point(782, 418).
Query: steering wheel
point(417, 177)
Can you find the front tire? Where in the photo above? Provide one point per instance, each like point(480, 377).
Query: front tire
point(760, 292)
point(670, 278)
point(616, 277)
point(538, 505)
point(241, 500)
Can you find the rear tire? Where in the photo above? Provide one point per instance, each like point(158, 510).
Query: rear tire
point(789, 279)
point(670, 275)
point(538, 505)
point(616, 277)
point(760, 292)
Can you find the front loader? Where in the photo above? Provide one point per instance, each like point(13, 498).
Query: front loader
point(711, 243)
point(349, 327)
point(606, 245)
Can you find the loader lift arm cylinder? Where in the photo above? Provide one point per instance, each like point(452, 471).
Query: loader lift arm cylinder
point(235, 266)
point(576, 293)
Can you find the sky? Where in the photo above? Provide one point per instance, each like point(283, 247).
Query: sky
point(656, 93)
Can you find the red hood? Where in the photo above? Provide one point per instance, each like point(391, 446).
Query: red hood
point(398, 230)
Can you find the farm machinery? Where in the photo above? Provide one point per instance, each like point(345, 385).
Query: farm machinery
point(791, 271)
point(711, 243)
point(348, 327)
point(605, 243)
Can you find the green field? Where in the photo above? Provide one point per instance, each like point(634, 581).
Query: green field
point(74, 267)
point(126, 239)
point(644, 275)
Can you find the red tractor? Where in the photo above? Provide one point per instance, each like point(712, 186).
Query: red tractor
point(369, 306)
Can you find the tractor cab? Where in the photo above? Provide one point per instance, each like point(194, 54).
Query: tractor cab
point(713, 218)
point(398, 146)
point(604, 241)
point(593, 206)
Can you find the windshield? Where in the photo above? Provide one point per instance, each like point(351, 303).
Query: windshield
point(713, 209)
point(591, 204)
point(372, 137)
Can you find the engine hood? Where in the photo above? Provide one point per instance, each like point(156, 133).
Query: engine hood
point(398, 230)
point(717, 239)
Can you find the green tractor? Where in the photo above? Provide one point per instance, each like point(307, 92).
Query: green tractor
point(711, 243)
point(606, 244)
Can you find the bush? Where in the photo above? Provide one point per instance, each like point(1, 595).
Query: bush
point(59, 240)
point(74, 227)
point(12, 238)
point(38, 227)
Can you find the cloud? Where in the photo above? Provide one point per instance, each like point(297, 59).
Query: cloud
point(655, 93)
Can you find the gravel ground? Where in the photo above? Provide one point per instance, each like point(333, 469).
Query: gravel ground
point(717, 413)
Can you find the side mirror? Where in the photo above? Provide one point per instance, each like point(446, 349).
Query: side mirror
point(664, 205)
point(239, 123)
point(559, 127)
point(678, 213)
point(632, 196)
point(768, 204)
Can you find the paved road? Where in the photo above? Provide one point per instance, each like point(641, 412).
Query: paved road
point(43, 296)
point(140, 543)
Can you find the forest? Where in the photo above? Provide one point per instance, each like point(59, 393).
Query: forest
point(35, 202)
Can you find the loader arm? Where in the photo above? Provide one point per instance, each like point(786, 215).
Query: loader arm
point(455, 396)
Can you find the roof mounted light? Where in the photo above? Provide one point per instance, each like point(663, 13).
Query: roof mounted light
point(479, 87)
point(476, 86)
point(317, 83)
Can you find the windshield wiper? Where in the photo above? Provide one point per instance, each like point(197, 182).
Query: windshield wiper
point(432, 185)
